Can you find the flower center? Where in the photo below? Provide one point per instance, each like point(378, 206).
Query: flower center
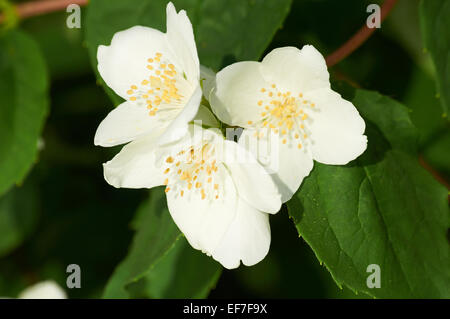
point(161, 87)
point(285, 113)
point(193, 170)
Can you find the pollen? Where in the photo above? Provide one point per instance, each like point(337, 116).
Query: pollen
point(193, 172)
point(161, 87)
point(284, 112)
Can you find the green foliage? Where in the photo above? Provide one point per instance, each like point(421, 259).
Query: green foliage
point(382, 208)
point(160, 263)
point(225, 31)
point(435, 22)
point(23, 108)
point(18, 217)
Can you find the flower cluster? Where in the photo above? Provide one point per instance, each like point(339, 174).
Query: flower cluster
point(220, 192)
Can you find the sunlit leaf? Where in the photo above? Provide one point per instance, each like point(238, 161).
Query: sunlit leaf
point(382, 208)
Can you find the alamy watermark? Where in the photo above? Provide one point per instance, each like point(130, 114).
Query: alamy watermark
point(374, 279)
point(73, 21)
point(74, 279)
point(373, 20)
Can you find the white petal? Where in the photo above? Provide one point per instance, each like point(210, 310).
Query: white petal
point(127, 122)
point(336, 130)
point(204, 221)
point(44, 290)
point(252, 181)
point(296, 70)
point(235, 97)
point(205, 117)
point(124, 62)
point(179, 126)
point(287, 164)
point(247, 239)
point(180, 37)
point(135, 166)
point(208, 79)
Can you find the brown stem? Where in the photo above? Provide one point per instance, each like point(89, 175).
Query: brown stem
point(34, 8)
point(433, 172)
point(359, 38)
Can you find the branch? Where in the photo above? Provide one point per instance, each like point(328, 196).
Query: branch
point(433, 172)
point(34, 8)
point(359, 38)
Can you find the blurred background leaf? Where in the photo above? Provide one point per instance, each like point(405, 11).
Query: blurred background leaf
point(18, 217)
point(435, 22)
point(23, 105)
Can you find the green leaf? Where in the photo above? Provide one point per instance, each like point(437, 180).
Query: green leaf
point(61, 47)
point(225, 30)
point(182, 273)
point(435, 24)
point(160, 258)
point(18, 217)
point(23, 108)
point(426, 113)
point(382, 208)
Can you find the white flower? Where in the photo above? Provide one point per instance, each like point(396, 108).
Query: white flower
point(44, 290)
point(158, 74)
point(217, 193)
point(289, 94)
